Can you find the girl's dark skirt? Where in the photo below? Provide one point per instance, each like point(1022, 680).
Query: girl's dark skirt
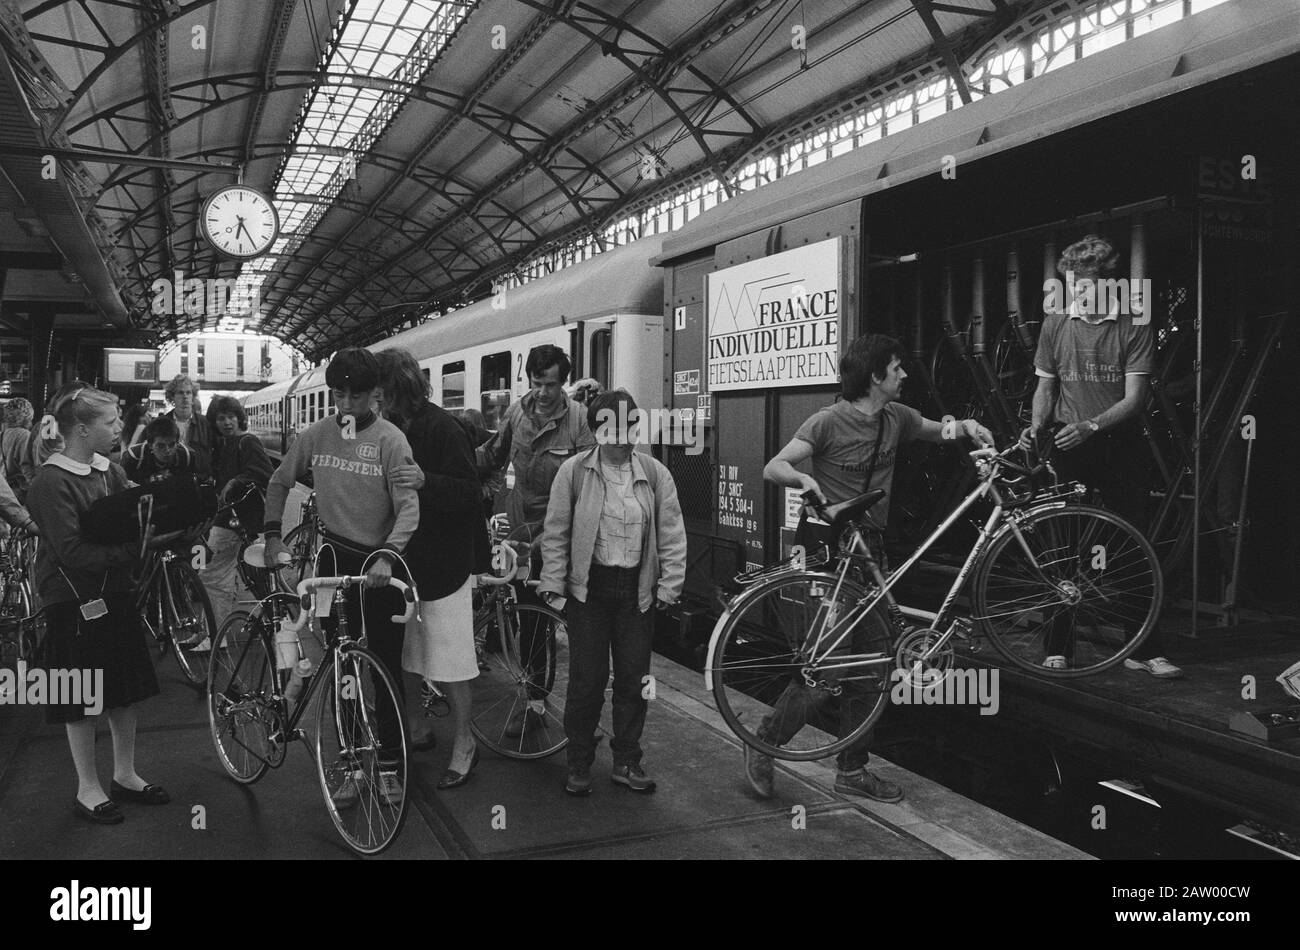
point(116, 643)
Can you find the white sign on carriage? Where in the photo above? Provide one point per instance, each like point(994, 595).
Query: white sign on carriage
point(775, 321)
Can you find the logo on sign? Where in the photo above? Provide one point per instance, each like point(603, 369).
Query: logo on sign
point(368, 451)
point(775, 321)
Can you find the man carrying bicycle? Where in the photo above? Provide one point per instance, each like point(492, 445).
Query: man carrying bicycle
point(852, 446)
point(365, 477)
point(1093, 367)
point(538, 433)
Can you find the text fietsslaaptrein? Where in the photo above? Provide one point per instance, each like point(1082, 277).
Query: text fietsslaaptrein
point(76, 903)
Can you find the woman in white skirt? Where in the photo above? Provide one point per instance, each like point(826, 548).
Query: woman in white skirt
point(439, 644)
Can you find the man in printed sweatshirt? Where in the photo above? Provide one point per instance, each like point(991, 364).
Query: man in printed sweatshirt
point(365, 478)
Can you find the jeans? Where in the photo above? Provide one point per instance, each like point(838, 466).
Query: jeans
point(609, 622)
point(798, 703)
point(1111, 463)
point(221, 575)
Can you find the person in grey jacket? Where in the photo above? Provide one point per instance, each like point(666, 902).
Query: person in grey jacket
point(613, 547)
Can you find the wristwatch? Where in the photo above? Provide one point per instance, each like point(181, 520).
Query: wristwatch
point(1091, 424)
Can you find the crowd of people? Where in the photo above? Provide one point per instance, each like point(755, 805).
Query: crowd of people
point(402, 485)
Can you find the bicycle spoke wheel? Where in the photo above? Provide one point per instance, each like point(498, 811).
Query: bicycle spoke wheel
point(1100, 600)
point(1014, 367)
point(362, 776)
point(519, 700)
point(243, 714)
point(952, 380)
point(786, 681)
point(302, 542)
point(189, 620)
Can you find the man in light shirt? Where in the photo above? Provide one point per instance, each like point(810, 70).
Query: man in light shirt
point(1094, 368)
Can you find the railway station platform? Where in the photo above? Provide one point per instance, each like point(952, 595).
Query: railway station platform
point(703, 808)
point(1176, 735)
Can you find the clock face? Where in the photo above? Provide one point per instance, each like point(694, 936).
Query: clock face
point(239, 221)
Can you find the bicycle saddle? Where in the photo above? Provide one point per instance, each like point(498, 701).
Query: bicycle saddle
point(841, 514)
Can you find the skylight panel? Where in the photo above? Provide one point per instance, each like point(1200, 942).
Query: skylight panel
point(379, 38)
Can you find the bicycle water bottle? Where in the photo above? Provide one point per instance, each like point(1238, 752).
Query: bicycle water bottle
point(298, 680)
point(286, 648)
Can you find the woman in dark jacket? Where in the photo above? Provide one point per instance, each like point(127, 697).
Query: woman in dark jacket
point(442, 554)
point(239, 463)
point(92, 625)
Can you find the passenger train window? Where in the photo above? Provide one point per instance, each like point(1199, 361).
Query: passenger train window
point(453, 385)
point(494, 386)
point(599, 364)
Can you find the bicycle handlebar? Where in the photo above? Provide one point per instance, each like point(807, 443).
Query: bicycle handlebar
point(1037, 466)
point(306, 587)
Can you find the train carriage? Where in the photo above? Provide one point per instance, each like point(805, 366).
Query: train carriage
point(938, 234)
point(604, 312)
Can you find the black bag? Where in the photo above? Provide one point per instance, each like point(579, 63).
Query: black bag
point(177, 504)
point(810, 535)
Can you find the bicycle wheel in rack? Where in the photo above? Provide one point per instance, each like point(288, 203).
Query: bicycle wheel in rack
point(243, 714)
point(519, 700)
point(302, 542)
point(1102, 602)
point(191, 623)
point(1015, 371)
point(761, 663)
point(952, 381)
point(363, 781)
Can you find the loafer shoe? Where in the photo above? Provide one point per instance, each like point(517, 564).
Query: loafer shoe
point(105, 813)
point(149, 795)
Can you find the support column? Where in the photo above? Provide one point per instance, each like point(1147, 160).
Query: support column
point(42, 335)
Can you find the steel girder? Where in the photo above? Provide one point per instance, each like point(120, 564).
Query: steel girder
point(406, 226)
point(668, 65)
point(516, 130)
point(280, 20)
point(535, 30)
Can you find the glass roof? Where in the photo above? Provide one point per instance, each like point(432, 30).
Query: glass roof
point(380, 39)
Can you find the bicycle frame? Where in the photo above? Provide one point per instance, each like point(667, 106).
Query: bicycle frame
point(334, 647)
point(826, 641)
point(156, 575)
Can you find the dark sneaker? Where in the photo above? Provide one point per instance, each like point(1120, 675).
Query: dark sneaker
point(578, 783)
point(867, 785)
point(634, 778)
point(758, 769)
